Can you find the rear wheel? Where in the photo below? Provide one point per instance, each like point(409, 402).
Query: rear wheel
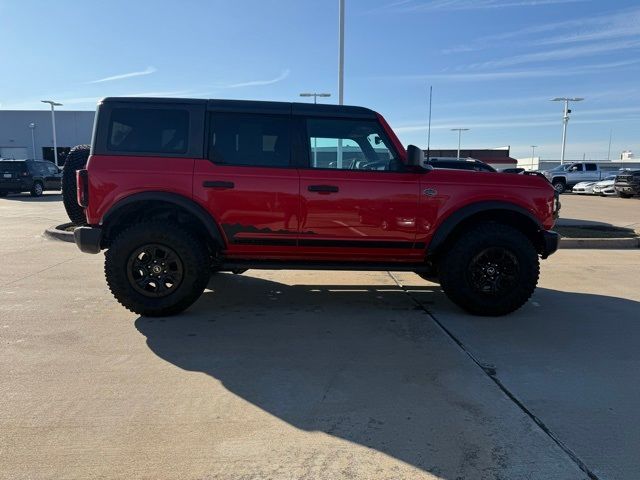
point(155, 269)
point(37, 189)
point(76, 160)
point(491, 270)
point(624, 195)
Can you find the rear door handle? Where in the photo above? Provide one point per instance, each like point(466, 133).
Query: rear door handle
point(218, 184)
point(323, 188)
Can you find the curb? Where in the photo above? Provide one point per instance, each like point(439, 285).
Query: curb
point(600, 243)
point(59, 233)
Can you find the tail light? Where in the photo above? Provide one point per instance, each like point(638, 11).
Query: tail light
point(82, 180)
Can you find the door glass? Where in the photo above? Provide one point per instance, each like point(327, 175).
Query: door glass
point(349, 145)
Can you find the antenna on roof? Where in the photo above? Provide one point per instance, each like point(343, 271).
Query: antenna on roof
point(429, 128)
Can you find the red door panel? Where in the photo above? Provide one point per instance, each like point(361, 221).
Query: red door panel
point(257, 208)
point(358, 215)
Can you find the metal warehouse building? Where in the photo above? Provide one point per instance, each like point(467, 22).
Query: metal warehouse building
point(29, 133)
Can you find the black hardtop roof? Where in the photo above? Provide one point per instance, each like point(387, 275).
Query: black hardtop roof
point(255, 106)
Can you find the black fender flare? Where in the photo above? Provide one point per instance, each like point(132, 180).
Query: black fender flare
point(207, 221)
point(466, 212)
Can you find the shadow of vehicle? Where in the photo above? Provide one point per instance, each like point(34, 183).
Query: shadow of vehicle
point(26, 197)
point(362, 363)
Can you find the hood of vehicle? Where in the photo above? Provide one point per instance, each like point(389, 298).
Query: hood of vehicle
point(605, 183)
point(584, 184)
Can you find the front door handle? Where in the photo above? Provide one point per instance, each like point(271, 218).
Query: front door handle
point(221, 185)
point(323, 188)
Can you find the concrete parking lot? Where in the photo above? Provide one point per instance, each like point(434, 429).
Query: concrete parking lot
point(290, 375)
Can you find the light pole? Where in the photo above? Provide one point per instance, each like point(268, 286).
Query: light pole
point(565, 120)
point(53, 123)
point(315, 96)
point(533, 154)
point(341, 53)
point(459, 130)
point(315, 140)
point(32, 127)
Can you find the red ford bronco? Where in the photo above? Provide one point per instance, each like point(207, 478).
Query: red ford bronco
point(175, 190)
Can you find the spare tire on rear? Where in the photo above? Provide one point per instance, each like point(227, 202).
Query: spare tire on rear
point(76, 160)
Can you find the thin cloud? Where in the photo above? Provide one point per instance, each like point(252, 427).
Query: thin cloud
point(453, 5)
point(515, 74)
point(146, 71)
point(625, 23)
point(560, 54)
point(258, 83)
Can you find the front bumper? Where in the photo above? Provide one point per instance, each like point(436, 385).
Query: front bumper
point(88, 239)
point(549, 242)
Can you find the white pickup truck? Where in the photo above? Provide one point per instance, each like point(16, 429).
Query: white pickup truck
point(564, 177)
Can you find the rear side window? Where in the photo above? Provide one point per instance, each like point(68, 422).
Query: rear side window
point(591, 167)
point(244, 139)
point(148, 130)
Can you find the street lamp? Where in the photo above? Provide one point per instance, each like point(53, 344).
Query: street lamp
point(341, 53)
point(459, 130)
point(53, 123)
point(315, 96)
point(565, 120)
point(32, 126)
point(315, 140)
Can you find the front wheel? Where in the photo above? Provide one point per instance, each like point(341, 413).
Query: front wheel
point(155, 269)
point(37, 189)
point(490, 270)
point(559, 186)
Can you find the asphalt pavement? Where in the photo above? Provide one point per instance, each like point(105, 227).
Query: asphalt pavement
point(305, 374)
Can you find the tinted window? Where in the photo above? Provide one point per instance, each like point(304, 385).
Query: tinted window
point(591, 167)
point(38, 168)
point(12, 167)
point(242, 139)
point(349, 145)
point(52, 169)
point(148, 130)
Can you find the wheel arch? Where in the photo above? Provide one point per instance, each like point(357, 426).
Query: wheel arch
point(160, 205)
point(484, 212)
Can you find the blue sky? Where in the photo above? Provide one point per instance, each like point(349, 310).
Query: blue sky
point(493, 64)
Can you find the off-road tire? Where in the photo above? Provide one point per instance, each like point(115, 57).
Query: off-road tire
point(37, 190)
point(190, 250)
point(76, 160)
point(455, 267)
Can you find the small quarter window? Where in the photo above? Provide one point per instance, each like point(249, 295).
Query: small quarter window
point(149, 130)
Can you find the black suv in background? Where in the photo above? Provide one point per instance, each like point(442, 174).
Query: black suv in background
point(33, 176)
point(627, 183)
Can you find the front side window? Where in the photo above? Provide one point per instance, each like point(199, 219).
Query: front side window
point(349, 145)
point(148, 130)
point(252, 140)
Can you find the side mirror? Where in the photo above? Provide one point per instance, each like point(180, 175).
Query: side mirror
point(414, 156)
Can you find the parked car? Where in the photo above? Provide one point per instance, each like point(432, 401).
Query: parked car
point(564, 177)
point(605, 187)
point(462, 164)
point(583, 188)
point(239, 184)
point(33, 176)
point(627, 183)
point(512, 170)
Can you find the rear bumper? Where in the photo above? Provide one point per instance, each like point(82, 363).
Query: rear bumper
point(88, 239)
point(549, 241)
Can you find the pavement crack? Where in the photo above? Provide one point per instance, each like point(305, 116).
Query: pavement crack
point(38, 272)
point(490, 371)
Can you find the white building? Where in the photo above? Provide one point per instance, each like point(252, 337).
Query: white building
point(17, 126)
